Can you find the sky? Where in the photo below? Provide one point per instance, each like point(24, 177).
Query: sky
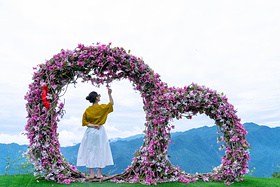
point(229, 46)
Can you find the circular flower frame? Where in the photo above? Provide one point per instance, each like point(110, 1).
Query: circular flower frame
point(102, 64)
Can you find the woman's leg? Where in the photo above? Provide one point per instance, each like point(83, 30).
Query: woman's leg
point(99, 172)
point(92, 174)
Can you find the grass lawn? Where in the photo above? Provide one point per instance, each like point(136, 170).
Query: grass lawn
point(30, 180)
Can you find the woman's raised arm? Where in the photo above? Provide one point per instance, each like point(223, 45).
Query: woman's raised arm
point(110, 96)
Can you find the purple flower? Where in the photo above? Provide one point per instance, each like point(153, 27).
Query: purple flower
point(161, 103)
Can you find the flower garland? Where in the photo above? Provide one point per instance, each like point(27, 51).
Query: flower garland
point(102, 64)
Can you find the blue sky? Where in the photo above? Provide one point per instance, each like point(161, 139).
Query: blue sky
point(229, 46)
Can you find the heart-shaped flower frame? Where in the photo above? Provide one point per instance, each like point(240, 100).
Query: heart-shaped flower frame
point(102, 64)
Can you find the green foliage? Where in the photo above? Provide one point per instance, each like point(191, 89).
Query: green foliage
point(30, 180)
point(276, 174)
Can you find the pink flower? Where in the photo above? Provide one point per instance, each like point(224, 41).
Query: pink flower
point(228, 183)
point(161, 103)
point(234, 139)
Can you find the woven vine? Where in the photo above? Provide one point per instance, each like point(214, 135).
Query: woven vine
point(103, 64)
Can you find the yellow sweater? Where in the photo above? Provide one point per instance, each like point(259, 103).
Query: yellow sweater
point(97, 114)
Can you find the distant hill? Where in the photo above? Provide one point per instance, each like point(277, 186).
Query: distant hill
point(195, 150)
point(266, 148)
point(8, 154)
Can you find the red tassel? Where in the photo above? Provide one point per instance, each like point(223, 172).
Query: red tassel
point(44, 96)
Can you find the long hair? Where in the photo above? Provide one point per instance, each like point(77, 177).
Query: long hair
point(92, 97)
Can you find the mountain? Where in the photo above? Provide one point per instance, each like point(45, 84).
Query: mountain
point(128, 138)
point(195, 150)
point(266, 149)
point(11, 155)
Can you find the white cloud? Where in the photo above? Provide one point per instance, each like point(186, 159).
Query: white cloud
point(69, 138)
point(196, 122)
point(114, 132)
point(272, 124)
point(18, 138)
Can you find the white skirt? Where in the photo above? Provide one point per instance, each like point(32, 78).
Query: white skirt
point(94, 150)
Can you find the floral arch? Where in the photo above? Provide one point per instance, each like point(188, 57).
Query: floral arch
point(102, 64)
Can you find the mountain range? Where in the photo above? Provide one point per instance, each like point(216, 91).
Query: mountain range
point(195, 150)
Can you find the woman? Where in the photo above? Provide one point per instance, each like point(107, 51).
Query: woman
point(94, 151)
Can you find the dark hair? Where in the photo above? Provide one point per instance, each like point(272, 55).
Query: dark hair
point(92, 97)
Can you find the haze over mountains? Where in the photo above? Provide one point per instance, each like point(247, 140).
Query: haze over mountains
point(195, 150)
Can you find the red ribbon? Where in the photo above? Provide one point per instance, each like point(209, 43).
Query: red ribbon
point(44, 96)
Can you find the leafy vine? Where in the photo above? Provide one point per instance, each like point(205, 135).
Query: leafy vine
point(102, 64)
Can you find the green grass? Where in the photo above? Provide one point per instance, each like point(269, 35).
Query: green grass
point(30, 180)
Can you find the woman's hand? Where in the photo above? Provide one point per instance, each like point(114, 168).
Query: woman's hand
point(94, 126)
point(109, 91)
point(97, 127)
